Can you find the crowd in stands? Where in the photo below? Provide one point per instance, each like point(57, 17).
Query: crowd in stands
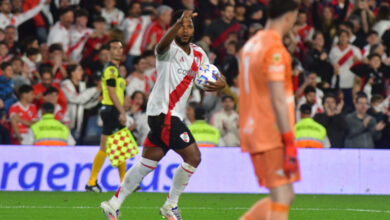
point(54, 51)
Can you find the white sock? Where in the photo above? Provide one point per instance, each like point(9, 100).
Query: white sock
point(132, 179)
point(180, 181)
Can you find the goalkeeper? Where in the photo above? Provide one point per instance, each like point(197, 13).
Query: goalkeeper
point(112, 111)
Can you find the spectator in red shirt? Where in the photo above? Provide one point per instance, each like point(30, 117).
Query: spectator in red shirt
point(42, 20)
point(60, 114)
point(56, 63)
point(46, 82)
point(220, 29)
point(22, 114)
point(98, 38)
point(156, 29)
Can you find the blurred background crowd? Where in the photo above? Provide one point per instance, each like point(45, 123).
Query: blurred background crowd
point(55, 50)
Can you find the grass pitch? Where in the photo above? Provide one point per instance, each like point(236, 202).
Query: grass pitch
point(145, 206)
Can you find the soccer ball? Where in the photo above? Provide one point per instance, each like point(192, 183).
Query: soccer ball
point(206, 73)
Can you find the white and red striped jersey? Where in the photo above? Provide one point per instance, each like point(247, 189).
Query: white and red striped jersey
point(134, 29)
point(59, 34)
point(28, 113)
point(113, 18)
point(151, 75)
point(344, 58)
point(175, 73)
point(306, 32)
point(77, 42)
point(18, 19)
point(135, 83)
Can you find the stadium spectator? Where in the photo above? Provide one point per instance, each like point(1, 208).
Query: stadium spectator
point(97, 40)
point(62, 115)
point(8, 18)
point(365, 16)
point(376, 110)
point(226, 121)
point(363, 128)
point(31, 61)
point(305, 31)
point(56, 62)
point(190, 113)
point(79, 34)
point(317, 60)
point(372, 39)
point(7, 85)
point(94, 65)
point(343, 56)
point(78, 97)
point(20, 73)
point(229, 65)
point(371, 77)
point(150, 70)
point(383, 142)
point(137, 81)
point(134, 27)
point(11, 40)
point(220, 28)
point(59, 33)
point(310, 97)
point(310, 81)
point(5, 137)
point(204, 134)
point(309, 133)
point(41, 21)
point(327, 23)
point(157, 28)
point(137, 121)
point(333, 121)
point(48, 131)
point(46, 82)
point(111, 14)
point(22, 114)
point(4, 55)
point(382, 20)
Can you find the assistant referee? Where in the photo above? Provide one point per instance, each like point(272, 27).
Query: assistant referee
point(112, 111)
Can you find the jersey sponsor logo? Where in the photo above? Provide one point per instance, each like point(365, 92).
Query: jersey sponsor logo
point(276, 68)
point(277, 57)
point(185, 137)
point(184, 72)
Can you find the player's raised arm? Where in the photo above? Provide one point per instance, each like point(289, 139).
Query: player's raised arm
point(168, 37)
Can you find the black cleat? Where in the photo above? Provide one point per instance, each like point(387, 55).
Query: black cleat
point(96, 188)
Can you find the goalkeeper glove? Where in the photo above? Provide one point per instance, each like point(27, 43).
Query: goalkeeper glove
point(290, 165)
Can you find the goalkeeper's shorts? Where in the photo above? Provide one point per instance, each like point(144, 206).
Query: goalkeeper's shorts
point(110, 117)
point(268, 167)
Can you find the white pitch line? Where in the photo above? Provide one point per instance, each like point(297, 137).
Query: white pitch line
point(194, 208)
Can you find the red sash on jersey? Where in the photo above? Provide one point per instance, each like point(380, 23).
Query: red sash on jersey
point(134, 37)
point(345, 58)
point(72, 48)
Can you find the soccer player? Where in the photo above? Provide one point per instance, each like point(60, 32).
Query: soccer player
point(267, 97)
point(112, 112)
point(177, 63)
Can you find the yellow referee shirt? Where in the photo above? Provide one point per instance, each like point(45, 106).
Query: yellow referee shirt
point(112, 77)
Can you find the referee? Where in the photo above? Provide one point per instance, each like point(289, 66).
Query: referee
point(112, 111)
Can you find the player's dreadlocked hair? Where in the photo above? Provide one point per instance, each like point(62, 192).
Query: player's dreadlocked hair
point(277, 8)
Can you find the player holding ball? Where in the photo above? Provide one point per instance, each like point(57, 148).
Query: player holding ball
point(177, 63)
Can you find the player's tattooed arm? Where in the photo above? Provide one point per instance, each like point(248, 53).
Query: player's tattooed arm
point(219, 84)
point(170, 35)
